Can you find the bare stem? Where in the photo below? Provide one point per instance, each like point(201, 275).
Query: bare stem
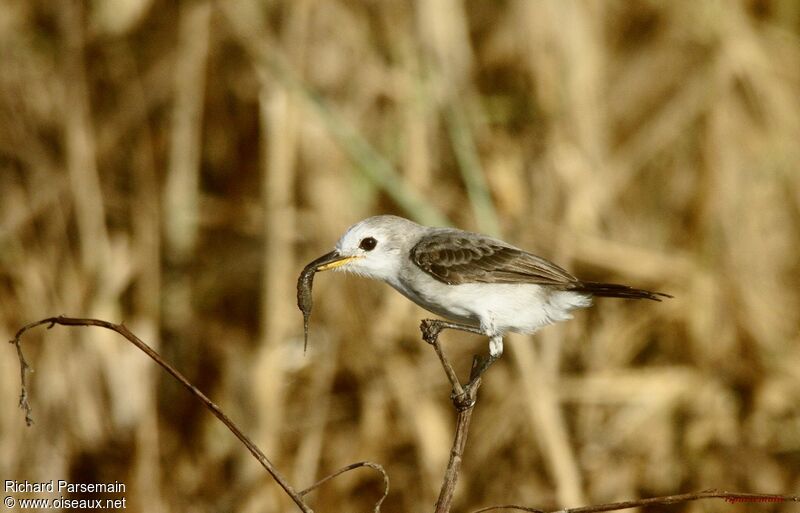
point(464, 399)
point(730, 497)
point(348, 468)
point(122, 330)
point(431, 328)
point(458, 389)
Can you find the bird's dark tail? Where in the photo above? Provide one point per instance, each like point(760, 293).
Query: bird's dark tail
point(614, 290)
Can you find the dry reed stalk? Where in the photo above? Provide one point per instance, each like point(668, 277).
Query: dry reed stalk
point(181, 190)
point(138, 100)
point(80, 146)
point(146, 244)
point(280, 121)
point(549, 425)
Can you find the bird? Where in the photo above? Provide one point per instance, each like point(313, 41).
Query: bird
point(480, 284)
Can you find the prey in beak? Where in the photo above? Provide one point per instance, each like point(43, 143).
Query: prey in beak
point(326, 262)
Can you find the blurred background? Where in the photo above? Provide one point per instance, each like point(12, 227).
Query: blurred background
point(174, 165)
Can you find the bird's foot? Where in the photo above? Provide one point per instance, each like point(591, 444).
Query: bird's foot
point(430, 329)
point(481, 366)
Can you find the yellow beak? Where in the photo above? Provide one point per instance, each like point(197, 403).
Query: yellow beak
point(331, 260)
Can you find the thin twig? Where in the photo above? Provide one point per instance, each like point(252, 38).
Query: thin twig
point(509, 506)
point(458, 389)
point(730, 497)
point(24, 369)
point(456, 453)
point(348, 468)
point(431, 329)
point(464, 400)
point(122, 330)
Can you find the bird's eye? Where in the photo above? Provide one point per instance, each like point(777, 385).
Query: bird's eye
point(368, 244)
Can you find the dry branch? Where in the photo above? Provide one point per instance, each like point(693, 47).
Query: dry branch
point(730, 497)
point(348, 468)
point(464, 400)
point(297, 497)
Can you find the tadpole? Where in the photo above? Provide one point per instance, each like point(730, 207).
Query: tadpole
point(304, 284)
point(304, 300)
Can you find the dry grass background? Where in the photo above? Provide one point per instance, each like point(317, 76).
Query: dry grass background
point(174, 165)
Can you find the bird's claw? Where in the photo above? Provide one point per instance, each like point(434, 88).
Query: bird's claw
point(430, 329)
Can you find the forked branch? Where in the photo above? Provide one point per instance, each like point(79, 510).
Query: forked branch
point(464, 400)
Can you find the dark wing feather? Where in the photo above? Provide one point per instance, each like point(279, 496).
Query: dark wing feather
point(614, 290)
point(463, 257)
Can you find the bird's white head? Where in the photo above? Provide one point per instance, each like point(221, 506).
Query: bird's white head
point(373, 247)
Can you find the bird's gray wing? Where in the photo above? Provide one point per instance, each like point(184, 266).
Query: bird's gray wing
point(455, 257)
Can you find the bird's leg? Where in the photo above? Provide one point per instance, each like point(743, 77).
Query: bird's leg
point(495, 352)
point(430, 333)
point(432, 327)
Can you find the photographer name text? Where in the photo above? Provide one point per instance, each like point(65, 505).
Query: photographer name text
point(62, 486)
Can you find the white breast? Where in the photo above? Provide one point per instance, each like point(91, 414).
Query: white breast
point(497, 308)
